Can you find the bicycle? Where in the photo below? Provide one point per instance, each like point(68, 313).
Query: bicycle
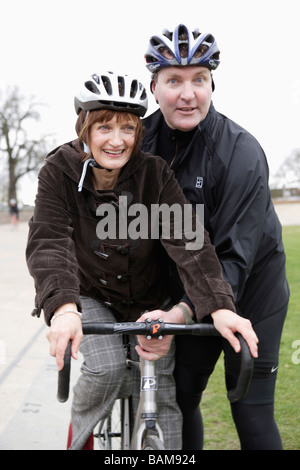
point(146, 433)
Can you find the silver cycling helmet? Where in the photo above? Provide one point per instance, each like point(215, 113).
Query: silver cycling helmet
point(181, 48)
point(110, 90)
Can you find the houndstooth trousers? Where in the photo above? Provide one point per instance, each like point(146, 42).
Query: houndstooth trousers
point(105, 377)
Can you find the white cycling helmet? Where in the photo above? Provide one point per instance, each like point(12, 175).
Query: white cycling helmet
point(110, 90)
point(182, 48)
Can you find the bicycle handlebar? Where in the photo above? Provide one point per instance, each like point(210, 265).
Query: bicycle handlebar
point(157, 329)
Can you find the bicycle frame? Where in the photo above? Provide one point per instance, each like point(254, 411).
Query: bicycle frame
point(146, 417)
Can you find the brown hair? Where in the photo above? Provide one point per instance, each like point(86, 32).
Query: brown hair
point(85, 121)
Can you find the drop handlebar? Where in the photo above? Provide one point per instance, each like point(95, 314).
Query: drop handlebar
point(157, 329)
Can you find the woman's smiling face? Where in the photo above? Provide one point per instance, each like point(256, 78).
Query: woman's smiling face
point(112, 142)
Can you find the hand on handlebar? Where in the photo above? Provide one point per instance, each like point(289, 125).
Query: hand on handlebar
point(64, 328)
point(153, 349)
point(228, 323)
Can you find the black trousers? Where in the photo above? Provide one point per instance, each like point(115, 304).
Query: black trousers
point(253, 415)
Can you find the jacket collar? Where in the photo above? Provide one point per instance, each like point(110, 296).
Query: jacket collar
point(154, 122)
point(68, 158)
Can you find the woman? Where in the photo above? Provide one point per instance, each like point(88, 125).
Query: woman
point(81, 271)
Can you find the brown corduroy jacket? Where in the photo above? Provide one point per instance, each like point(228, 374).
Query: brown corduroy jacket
point(68, 256)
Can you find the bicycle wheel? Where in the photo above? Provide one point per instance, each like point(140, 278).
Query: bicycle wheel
point(152, 443)
point(108, 432)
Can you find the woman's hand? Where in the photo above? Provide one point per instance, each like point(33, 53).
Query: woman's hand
point(153, 349)
point(228, 323)
point(63, 329)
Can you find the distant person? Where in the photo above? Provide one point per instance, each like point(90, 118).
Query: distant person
point(220, 165)
point(80, 273)
point(14, 212)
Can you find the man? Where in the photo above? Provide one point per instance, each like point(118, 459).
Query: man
point(220, 165)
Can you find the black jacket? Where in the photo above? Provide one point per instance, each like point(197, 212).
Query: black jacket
point(222, 166)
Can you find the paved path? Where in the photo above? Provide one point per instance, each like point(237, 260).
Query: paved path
point(288, 212)
point(30, 416)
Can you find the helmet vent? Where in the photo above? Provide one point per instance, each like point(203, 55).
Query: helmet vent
point(168, 34)
point(92, 87)
point(107, 84)
point(134, 88)
point(182, 30)
point(209, 39)
point(144, 94)
point(155, 41)
point(121, 84)
point(196, 33)
point(200, 51)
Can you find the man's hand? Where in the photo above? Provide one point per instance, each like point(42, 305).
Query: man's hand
point(228, 323)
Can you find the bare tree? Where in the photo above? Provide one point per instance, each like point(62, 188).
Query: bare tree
point(288, 174)
point(19, 153)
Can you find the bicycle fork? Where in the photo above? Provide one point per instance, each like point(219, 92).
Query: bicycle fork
point(146, 417)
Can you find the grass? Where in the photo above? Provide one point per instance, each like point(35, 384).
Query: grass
point(220, 433)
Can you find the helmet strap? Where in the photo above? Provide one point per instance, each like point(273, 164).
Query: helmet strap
point(212, 83)
point(86, 148)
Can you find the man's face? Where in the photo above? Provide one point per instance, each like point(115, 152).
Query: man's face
point(184, 95)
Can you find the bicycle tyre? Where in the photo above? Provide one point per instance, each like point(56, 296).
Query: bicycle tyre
point(152, 443)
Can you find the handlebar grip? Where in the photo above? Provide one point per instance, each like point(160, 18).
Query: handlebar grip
point(64, 377)
point(245, 374)
point(246, 369)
